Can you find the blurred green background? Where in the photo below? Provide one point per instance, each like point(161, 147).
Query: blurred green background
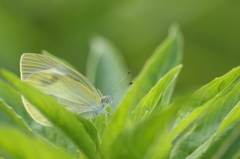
point(64, 28)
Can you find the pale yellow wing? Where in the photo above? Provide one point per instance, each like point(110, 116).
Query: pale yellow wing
point(31, 63)
point(35, 114)
point(69, 93)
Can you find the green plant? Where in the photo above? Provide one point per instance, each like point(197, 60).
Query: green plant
point(147, 124)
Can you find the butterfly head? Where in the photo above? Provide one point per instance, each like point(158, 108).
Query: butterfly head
point(106, 100)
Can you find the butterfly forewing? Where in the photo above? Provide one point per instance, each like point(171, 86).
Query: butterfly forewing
point(67, 91)
point(33, 63)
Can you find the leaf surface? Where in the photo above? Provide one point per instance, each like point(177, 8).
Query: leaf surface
point(167, 56)
point(158, 97)
point(144, 139)
point(26, 146)
point(210, 118)
point(78, 129)
point(16, 118)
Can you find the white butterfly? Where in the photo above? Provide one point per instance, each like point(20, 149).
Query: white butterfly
point(70, 88)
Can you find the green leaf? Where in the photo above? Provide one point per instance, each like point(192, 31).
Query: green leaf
point(12, 98)
point(158, 97)
point(102, 121)
point(202, 100)
point(105, 68)
point(237, 155)
point(209, 117)
point(144, 139)
point(78, 129)
point(167, 56)
point(55, 137)
point(17, 119)
point(228, 121)
point(226, 146)
point(58, 59)
point(18, 145)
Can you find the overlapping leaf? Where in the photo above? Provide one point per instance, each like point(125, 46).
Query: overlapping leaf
point(158, 96)
point(208, 118)
point(196, 105)
point(12, 98)
point(79, 130)
point(17, 119)
point(227, 122)
point(105, 68)
point(147, 139)
point(226, 146)
point(166, 56)
point(17, 145)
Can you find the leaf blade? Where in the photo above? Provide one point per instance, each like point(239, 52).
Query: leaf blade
point(170, 50)
point(202, 99)
point(17, 119)
point(27, 147)
point(227, 122)
point(67, 122)
point(12, 98)
point(150, 101)
point(105, 68)
point(144, 139)
point(207, 119)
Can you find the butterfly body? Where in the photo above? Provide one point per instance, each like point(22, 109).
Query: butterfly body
point(98, 110)
point(69, 88)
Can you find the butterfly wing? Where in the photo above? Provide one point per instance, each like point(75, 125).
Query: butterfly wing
point(69, 93)
point(35, 114)
point(33, 63)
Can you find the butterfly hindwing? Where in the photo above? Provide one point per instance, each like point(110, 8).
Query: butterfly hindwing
point(34, 113)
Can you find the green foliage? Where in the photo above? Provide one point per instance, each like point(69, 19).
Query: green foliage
point(204, 98)
point(166, 56)
point(67, 122)
point(231, 118)
point(17, 119)
point(148, 123)
point(158, 96)
point(13, 99)
point(16, 144)
point(105, 68)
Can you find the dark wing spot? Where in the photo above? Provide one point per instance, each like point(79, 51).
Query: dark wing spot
point(50, 81)
point(54, 79)
point(45, 82)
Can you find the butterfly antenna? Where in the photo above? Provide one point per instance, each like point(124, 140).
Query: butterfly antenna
point(115, 88)
point(120, 88)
